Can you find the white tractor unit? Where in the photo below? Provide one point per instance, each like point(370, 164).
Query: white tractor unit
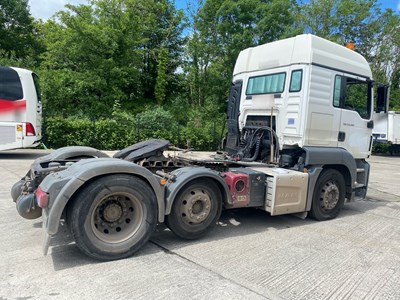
point(299, 132)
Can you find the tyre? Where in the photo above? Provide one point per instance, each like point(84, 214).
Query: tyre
point(195, 210)
point(16, 190)
point(113, 216)
point(329, 195)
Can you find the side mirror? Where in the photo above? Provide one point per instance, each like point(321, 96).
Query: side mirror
point(382, 99)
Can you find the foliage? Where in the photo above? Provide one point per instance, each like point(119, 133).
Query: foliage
point(121, 130)
point(341, 21)
point(220, 30)
point(103, 133)
point(157, 123)
point(202, 132)
point(380, 148)
point(117, 71)
point(16, 29)
point(376, 34)
point(109, 51)
point(384, 55)
point(18, 36)
point(161, 81)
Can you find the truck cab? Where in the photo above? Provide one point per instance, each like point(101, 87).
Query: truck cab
point(312, 92)
point(317, 96)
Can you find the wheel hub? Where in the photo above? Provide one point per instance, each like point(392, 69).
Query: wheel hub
point(330, 195)
point(116, 218)
point(196, 207)
point(112, 212)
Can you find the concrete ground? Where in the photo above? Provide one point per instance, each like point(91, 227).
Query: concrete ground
point(250, 255)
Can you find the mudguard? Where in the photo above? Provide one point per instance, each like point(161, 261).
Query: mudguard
point(74, 151)
point(332, 156)
point(186, 174)
point(61, 186)
point(318, 157)
point(65, 153)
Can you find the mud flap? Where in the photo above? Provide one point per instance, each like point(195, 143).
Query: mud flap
point(45, 236)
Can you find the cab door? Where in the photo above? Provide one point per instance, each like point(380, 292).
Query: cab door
point(355, 101)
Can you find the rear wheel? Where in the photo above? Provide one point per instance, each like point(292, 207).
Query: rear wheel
point(329, 195)
point(113, 217)
point(195, 210)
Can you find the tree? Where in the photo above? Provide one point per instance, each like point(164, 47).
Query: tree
point(384, 55)
point(221, 29)
point(163, 48)
point(376, 34)
point(18, 44)
point(105, 52)
point(341, 21)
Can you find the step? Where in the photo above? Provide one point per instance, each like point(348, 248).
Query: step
point(358, 198)
point(358, 185)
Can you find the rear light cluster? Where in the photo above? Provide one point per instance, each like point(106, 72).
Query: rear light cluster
point(42, 198)
point(30, 130)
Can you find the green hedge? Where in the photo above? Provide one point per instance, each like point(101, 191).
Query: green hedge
point(122, 130)
point(380, 148)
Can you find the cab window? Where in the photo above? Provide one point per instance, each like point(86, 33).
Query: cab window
point(337, 91)
point(353, 94)
point(266, 84)
point(295, 81)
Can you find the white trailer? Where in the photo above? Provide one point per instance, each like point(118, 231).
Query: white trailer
point(387, 129)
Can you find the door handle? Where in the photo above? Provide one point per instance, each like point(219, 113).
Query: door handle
point(341, 136)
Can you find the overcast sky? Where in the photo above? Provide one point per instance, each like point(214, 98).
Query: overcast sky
point(44, 9)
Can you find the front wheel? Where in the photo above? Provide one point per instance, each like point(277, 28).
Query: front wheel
point(329, 195)
point(195, 210)
point(113, 216)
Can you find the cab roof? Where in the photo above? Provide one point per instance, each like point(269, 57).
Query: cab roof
point(302, 49)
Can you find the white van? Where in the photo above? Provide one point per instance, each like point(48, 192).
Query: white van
point(20, 109)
